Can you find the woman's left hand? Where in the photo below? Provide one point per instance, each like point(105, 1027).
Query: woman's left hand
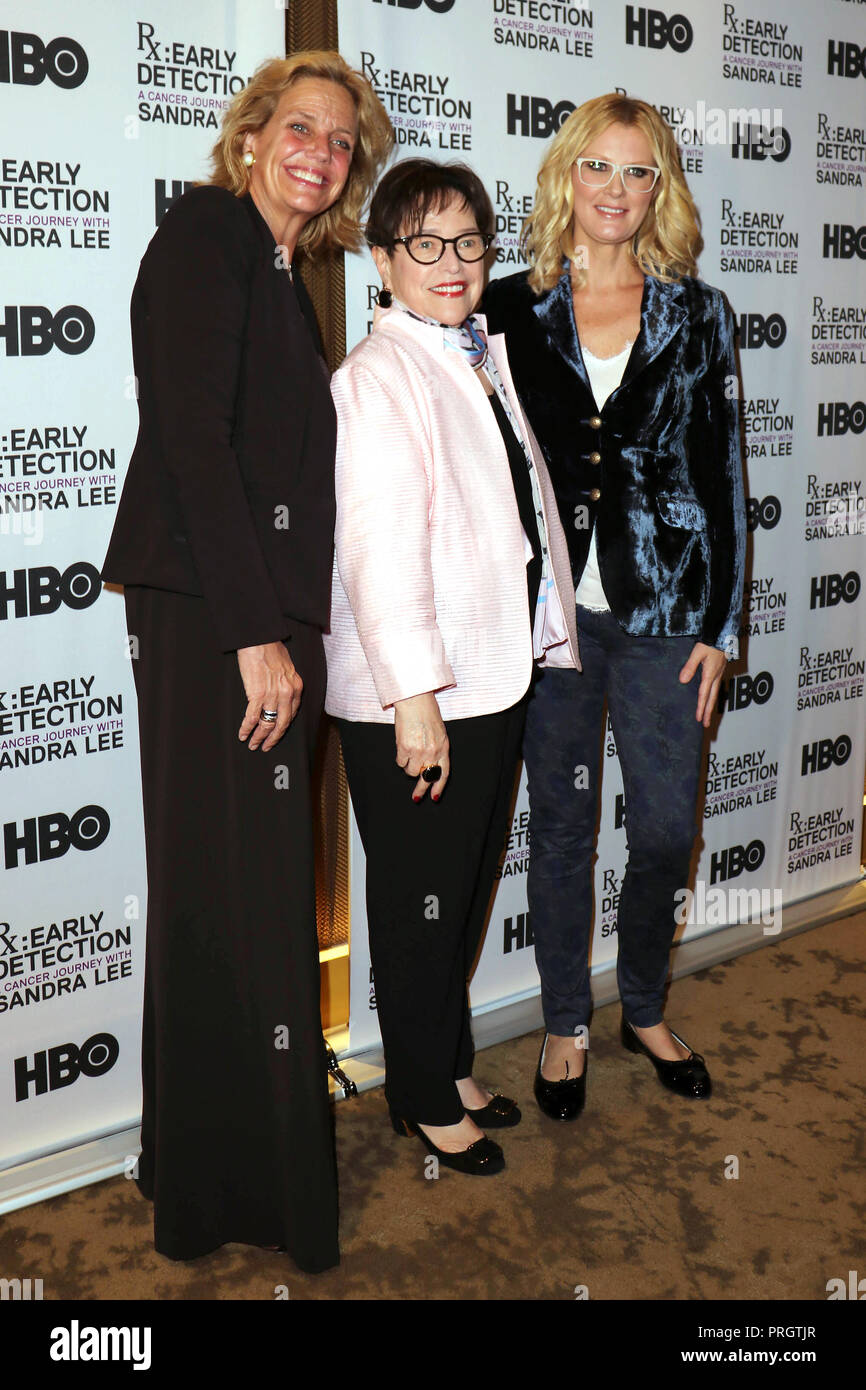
point(422, 741)
point(271, 682)
point(713, 661)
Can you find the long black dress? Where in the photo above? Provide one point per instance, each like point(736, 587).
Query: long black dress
point(237, 435)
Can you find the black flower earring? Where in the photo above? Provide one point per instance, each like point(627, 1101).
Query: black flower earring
point(384, 298)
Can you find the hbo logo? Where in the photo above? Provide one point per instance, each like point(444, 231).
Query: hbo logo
point(743, 691)
point(62, 1065)
point(845, 59)
point(730, 863)
point(52, 836)
point(837, 417)
point(757, 142)
point(841, 241)
point(34, 330)
point(829, 589)
point(763, 512)
point(42, 590)
point(25, 59)
point(755, 331)
point(536, 116)
point(652, 29)
point(817, 757)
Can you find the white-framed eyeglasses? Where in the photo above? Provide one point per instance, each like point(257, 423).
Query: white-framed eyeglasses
point(636, 178)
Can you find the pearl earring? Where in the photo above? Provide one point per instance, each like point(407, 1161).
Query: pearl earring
point(249, 158)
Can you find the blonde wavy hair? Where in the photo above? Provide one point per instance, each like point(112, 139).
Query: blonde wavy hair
point(340, 227)
point(668, 241)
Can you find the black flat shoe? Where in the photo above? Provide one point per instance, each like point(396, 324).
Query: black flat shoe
point(498, 1113)
point(482, 1159)
point(687, 1078)
point(560, 1100)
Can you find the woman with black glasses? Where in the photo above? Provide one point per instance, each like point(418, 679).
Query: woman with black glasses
point(451, 567)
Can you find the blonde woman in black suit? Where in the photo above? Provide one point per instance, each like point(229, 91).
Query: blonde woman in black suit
point(224, 542)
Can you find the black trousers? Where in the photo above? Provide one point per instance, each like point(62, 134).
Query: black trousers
point(430, 873)
point(236, 1133)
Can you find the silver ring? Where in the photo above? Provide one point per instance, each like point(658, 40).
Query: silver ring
point(269, 716)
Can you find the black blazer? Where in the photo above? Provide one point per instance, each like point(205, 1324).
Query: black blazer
point(236, 423)
point(658, 470)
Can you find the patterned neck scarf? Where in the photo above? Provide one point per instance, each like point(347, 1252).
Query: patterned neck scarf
point(466, 338)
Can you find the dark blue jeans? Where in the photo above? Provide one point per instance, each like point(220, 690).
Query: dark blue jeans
point(659, 743)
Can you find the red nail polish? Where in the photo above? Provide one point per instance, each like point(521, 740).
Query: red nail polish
point(416, 798)
point(435, 798)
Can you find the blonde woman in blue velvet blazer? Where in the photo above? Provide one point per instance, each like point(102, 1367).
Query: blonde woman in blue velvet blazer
point(624, 364)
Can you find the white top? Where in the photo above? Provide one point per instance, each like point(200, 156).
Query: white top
point(605, 375)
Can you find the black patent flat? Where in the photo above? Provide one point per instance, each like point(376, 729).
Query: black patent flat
point(688, 1077)
point(560, 1100)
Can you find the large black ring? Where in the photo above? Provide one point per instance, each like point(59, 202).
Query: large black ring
point(432, 773)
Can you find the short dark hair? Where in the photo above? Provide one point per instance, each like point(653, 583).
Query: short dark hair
point(415, 187)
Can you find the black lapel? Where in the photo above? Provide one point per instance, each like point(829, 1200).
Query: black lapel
point(262, 230)
point(299, 300)
point(555, 313)
point(662, 313)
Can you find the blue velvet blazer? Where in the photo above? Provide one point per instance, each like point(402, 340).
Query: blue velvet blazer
point(658, 470)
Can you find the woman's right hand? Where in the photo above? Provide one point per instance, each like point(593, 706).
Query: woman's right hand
point(421, 742)
point(271, 682)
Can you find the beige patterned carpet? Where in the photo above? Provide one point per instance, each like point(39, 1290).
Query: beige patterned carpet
point(632, 1201)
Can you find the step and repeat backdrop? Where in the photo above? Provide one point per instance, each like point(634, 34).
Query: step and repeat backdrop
point(110, 110)
point(767, 102)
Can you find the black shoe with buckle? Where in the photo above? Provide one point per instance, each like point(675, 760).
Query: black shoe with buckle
point(499, 1113)
point(560, 1100)
point(482, 1159)
point(688, 1077)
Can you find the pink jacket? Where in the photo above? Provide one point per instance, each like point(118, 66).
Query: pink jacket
point(429, 583)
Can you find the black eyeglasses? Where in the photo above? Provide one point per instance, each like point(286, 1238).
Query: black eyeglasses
point(427, 249)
